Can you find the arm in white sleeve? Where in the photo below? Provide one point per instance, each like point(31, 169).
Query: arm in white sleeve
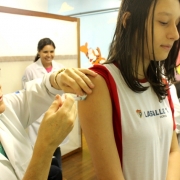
point(26, 77)
point(30, 103)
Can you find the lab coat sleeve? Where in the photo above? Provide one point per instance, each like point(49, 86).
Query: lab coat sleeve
point(29, 104)
point(26, 77)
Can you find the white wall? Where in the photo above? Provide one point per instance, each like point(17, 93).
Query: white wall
point(11, 72)
point(33, 5)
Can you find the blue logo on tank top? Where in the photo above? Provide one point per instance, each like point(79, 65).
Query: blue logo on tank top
point(160, 112)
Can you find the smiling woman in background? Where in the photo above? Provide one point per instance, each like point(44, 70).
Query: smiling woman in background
point(43, 62)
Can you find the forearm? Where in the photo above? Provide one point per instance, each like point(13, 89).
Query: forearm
point(39, 165)
point(174, 166)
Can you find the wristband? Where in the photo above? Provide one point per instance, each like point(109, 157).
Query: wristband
point(55, 77)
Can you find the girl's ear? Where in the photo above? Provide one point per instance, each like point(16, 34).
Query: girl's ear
point(125, 17)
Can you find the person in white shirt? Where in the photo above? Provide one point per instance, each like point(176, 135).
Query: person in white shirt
point(43, 61)
point(43, 64)
point(18, 159)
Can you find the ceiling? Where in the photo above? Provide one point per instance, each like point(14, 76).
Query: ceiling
point(82, 7)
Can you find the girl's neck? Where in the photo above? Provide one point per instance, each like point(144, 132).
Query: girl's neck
point(141, 71)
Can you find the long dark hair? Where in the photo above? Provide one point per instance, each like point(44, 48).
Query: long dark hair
point(43, 42)
point(121, 49)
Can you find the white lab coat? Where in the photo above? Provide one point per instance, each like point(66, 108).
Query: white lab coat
point(37, 70)
point(34, 71)
point(21, 110)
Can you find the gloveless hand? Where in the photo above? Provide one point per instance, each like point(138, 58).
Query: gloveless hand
point(58, 121)
point(75, 80)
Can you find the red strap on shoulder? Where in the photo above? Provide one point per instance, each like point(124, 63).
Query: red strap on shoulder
point(172, 108)
point(103, 71)
point(171, 104)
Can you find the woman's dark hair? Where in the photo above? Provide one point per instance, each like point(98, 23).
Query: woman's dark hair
point(43, 42)
point(135, 34)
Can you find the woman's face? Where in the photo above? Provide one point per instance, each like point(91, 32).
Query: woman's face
point(166, 19)
point(47, 54)
point(2, 105)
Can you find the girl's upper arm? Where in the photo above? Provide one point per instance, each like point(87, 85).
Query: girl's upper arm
point(95, 114)
point(174, 159)
point(174, 143)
